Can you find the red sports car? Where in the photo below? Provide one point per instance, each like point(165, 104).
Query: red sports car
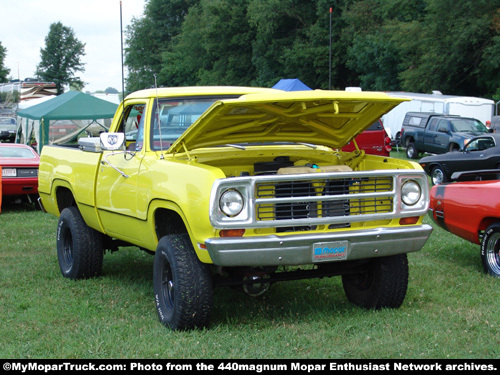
point(470, 208)
point(19, 171)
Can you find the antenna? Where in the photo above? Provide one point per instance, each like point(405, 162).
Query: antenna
point(121, 37)
point(158, 119)
point(330, 54)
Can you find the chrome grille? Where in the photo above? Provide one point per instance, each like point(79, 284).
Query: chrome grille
point(323, 198)
point(309, 200)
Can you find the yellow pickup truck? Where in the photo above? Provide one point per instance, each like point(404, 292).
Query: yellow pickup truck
point(241, 187)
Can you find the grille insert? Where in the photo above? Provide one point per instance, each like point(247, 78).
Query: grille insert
point(324, 198)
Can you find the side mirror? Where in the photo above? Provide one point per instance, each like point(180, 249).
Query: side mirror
point(112, 141)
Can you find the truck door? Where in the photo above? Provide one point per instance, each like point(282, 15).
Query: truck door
point(117, 180)
point(430, 135)
point(436, 136)
point(442, 136)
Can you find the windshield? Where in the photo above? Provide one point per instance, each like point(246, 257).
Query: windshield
point(480, 144)
point(467, 126)
point(175, 116)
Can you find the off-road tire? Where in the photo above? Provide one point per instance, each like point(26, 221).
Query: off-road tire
point(79, 247)
point(490, 250)
point(383, 285)
point(182, 284)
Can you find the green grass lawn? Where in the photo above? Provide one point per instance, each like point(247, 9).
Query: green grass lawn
point(451, 308)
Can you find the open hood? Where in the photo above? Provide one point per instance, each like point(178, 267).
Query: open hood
point(329, 118)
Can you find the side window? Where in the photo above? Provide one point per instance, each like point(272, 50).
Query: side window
point(433, 125)
point(133, 126)
point(443, 126)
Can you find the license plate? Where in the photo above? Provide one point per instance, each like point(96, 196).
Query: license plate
point(8, 172)
point(330, 251)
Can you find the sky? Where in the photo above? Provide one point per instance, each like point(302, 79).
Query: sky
point(24, 24)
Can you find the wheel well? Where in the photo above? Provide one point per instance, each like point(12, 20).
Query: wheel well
point(64, 198)
point(486, 222)
point(168, 222)
point(408, 140)
point(434, 165)
point(453, 146)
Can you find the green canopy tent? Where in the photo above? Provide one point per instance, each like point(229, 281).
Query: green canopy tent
point(62, 119)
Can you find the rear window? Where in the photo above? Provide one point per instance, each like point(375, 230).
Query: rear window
point(16, 152)
point(376, 126)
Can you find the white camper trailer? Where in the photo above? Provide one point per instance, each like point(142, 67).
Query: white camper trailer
point(466, 106)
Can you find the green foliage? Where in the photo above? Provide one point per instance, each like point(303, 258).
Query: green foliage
point(149, 37)
point(4, 72)
point(411, 45)
point(214, 47)
point(61, 58)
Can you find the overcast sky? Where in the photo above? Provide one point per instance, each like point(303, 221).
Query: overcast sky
point(24, 24)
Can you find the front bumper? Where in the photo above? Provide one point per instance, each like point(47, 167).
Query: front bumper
point(300, 249)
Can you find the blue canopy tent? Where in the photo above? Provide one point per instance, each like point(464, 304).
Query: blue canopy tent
point(292, 84)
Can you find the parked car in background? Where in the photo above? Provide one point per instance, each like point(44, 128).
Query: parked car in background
point(19, 171)
point(7, 129)
point(437, 134)
point(479, 153)
point(470, 209)
point(373, 140)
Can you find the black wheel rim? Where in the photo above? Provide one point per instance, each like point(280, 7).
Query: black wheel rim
point(168, 286)
point(68, 248)
point(363, 281)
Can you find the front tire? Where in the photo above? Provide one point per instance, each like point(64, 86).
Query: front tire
point(79, 248)
point(411, 151)
point(182, 284)
point(490, 250)
point(438, 175)
point(382, 285)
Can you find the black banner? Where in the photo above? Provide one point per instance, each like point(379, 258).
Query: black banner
point(248, 366)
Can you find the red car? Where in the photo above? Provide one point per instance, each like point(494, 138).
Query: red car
point(19, 171)
point(470, 208)
point(373, 140)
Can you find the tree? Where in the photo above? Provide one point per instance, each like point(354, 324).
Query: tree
point(213, 48)
point(451, 48)
point(149, 37)
point(4, 72)
point(61, 58)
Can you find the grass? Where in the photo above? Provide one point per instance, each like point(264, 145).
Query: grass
point(451, 308)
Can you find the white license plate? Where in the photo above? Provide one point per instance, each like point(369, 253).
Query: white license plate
point(8, 172)
point(330, 251)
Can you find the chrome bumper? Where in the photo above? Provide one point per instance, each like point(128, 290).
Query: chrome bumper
point(300, 249)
